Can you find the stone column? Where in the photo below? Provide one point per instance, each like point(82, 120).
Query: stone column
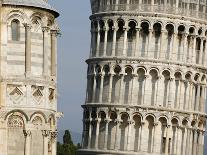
point(185, 46)
point(170, 100)
point(97, 132)
point(89, 132)
point(149, 43)
point(27, 135)
point(106, 134)
point(93, 33)
point(98, 42)
point(27, 49)
point(121, 89)
point(45, 134)
point(156, 147)
point(201, 52)
point(194, 50)
point(161, 47)
point(53, 52)
point(136, 52)
point(179, 140)
point(205, 58)
point(204, 99)
point(117, 135)
point(45, 50)
point(115, 29)
point(101, 88)
point(195, 142)
point(197, 97)
point(142, 136)
point(144, 90)
point(133, 101)
point(110, 87)
point(106, 29)
point(130, 123)
point(125, 41)
point(197, 9)
point(54, 142)
point(174, 50)
point(94, 89)
point(167, 140)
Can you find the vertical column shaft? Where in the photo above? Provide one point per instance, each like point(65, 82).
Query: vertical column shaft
point(149, 42)
point(110, 87)
point(185, 45)
point(125, 41)
point(27, 49)
point(45, 135)
point(94, 88)
point(197, 97)
point(53, 52)
point(97, 132)
point(45, 50)
point(105, 40)
point(54, 142)
point(137, 43)
point(89, 131)
point(98, 42)
point(106, 135)
point(27, 134)
point(201, 52)
point(114, 41)
point(101, 88)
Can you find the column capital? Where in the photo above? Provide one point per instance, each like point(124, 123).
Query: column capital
point(53, 134)
point(27, 133)
point(27, 25)
point(106, 28)
point(45, 29)
point(55, 32)
point(115, 28)
point(126, 28)
point(137, 28)
point(45, 133)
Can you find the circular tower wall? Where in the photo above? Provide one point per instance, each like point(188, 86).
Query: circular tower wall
point(28, 33)
point(146, 90)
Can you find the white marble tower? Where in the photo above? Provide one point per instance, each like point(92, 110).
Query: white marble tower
point(146, 88)
point(28, 106)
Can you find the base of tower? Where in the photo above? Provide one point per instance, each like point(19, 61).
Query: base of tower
point(111, 152)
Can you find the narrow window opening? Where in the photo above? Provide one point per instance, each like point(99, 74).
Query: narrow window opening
point(15, 30)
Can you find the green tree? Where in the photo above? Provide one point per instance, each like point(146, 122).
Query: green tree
point(67, 148)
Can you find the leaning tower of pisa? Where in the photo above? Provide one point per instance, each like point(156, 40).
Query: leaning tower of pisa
point(28, 106)
point(146, 78)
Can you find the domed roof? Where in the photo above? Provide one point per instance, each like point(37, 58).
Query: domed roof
point(32, 3)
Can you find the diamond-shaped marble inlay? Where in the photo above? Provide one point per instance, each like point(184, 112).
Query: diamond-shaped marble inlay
point(38, 95)
point(16, 94)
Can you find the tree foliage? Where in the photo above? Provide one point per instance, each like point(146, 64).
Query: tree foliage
point(67, 148)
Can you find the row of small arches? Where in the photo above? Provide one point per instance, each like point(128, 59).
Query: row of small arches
point(143, 71)
point(17, 19)
point(18, 119)
point(137, 117)
point(145, 25)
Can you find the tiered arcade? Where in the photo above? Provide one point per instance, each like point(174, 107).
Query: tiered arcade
point(146, 78)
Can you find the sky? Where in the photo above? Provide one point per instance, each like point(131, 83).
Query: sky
point(73, 50)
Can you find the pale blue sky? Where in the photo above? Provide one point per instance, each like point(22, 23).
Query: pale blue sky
point(73, 50)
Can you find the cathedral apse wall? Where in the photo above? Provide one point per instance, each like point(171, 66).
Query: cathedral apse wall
point(146, 78)
point(28, 100)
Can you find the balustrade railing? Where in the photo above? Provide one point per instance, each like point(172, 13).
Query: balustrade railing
point(142, 8)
